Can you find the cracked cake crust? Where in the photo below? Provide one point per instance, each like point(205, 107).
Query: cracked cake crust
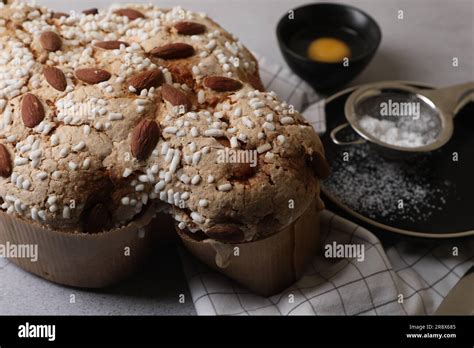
point(79, 153)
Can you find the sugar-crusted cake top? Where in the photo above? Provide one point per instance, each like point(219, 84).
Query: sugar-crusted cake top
point(105, 113)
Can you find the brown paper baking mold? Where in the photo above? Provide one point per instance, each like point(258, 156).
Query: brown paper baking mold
point(267, 266)
point(79, 259)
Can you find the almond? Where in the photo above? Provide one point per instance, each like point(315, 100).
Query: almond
point(97, 219)
point(146, 79)
point(55, 78)
point(222, 84)
point(91, 11)
point(189, 28)
point(145, 136)
point(50, 41)
point(173, 51)
point(130, 13)
point(226, 233)
point(92, 75)
point(175, 97)
point(110, 45)
point(59, 15)
point(5, 162)
point(32, 111)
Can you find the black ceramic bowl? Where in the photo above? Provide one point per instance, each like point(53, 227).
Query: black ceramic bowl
point(349, 24)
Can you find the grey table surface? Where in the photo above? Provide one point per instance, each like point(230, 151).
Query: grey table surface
point(421, 47)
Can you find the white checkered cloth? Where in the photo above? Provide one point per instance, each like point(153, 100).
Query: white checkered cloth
point(411, 277)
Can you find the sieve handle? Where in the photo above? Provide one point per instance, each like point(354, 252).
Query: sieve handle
point(451, 99)
point(339, 142)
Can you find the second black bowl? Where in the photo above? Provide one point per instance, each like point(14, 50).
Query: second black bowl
point(333, 20)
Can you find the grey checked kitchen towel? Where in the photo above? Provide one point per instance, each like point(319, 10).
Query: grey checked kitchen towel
point(410, 277)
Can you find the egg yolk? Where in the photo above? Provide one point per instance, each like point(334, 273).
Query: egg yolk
point(328, 50)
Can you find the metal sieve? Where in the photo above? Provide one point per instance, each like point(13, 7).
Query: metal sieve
point(436, 109)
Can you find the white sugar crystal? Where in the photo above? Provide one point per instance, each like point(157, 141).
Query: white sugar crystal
point(160, 186)
point(52, 200)
point(198, 218)
point(164, 148)
point(115, 116)
point(34, 214)
point(196, 158)
point(72, 166)
point(242, 137)
point(20, 161)
point(143, 178)
point(234, 143)
point(248, 122)
point(287, 120)
point(170, 130)
point(86, 164)
point(42, 176)
point(196, 180)
point(64, 152)
point(26, 185)
point(263, 148)
point(87, 130)
point(169, 155)
point(269, 155)
point(175, 161)
point(185, 179)
point(225, 187)
point(269, 126)
point(79, 146)
point(201, 97)
point(216, 133)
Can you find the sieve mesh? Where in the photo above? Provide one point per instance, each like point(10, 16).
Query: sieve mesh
point(399, 118)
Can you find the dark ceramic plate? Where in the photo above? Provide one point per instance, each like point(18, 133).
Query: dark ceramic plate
point(428, 196)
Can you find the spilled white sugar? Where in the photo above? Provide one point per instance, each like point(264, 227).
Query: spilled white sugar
point(374, 187)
